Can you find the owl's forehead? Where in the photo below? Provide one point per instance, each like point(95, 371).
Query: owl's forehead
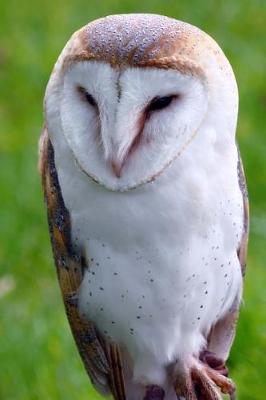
point(146, 40)
point(134, 38)
point(139, 40)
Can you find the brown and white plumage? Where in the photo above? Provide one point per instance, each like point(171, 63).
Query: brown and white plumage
point(101, 360)
point(161, 44)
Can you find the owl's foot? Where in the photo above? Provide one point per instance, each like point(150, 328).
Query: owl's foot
point(154, 393)
point(204, 380)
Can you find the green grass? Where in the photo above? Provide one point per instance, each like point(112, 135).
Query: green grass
point(37, 353)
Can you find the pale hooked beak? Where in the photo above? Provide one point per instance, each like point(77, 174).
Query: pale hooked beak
point(116, 167)
point(119, 158)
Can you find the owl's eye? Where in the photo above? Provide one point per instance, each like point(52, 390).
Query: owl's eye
point(87, 96)
point(159, 103)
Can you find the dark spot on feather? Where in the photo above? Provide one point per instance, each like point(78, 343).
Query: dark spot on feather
point(62, 261)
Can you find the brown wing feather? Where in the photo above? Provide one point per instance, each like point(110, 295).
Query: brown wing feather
point(102, 360)
point(242, 250)
point(223, 332)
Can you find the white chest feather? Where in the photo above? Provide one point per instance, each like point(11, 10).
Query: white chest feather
point(162, 258)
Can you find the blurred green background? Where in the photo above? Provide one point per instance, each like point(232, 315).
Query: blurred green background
point(38, 359)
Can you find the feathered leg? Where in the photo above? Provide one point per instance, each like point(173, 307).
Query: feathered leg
point(202, 380)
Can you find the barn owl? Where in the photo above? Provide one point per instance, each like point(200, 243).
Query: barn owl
point(147, 205)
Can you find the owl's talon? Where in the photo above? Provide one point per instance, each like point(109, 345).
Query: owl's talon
point(233, 396)
point(154, 393)
point(226, 385)
point(206, 387)
point(200, 381)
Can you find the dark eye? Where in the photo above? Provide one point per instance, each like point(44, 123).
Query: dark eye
point(87, 96)
point(159, 103)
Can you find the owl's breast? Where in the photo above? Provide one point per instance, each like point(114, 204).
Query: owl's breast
point(162, 258)
point(157, 267)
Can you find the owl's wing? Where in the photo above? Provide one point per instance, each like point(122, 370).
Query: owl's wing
point(223, 332)
point(101, 359)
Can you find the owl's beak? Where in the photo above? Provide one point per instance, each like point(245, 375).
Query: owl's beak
point(118, 160)
point(116, 167)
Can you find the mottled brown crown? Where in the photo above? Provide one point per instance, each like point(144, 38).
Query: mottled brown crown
point(146, 40)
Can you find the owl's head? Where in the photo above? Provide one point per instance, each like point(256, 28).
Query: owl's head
point(130, 92)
